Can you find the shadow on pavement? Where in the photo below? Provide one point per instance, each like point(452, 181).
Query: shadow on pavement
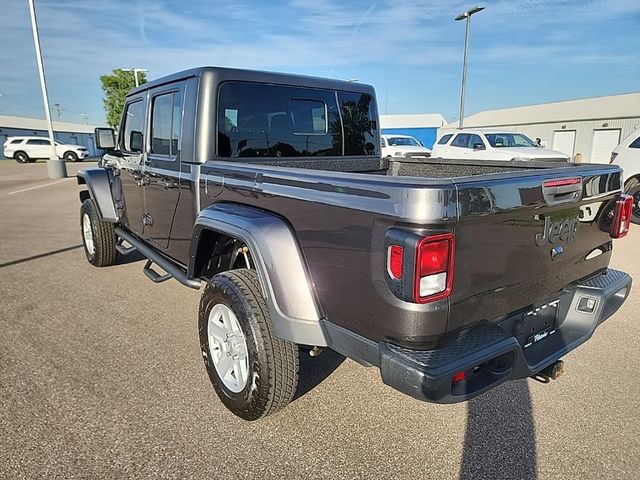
point(314, 370)
point(42, 255)
point(500, 439)
point(131, 257)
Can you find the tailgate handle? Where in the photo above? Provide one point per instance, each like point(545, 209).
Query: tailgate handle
point(561, 190)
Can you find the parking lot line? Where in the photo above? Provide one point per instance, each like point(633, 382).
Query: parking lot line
point(39, 186)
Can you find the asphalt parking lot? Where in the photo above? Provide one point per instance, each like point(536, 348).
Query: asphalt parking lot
point(101, 377)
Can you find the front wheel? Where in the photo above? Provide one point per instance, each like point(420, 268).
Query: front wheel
point(70, 157)
point(98, 237)
point(253, 372)
point(635, 211)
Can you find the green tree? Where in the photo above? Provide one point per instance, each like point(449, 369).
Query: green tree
point(116, 86)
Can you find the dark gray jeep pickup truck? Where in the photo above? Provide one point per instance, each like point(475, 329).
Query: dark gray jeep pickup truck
point(269, 190)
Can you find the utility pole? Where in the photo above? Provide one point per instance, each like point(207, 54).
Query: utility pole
point(465, 16)
point(135, 73)
point(55, 167)
point(59, 109)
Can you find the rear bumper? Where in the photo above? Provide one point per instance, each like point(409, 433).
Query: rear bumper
point(491, 355)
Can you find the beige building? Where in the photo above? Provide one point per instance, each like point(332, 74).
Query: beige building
point(587, 130)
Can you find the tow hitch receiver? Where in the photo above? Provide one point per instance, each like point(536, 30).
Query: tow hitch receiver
point(552, 372)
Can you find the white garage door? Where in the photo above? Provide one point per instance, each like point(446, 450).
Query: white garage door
point(604, 141)
point(563, 141)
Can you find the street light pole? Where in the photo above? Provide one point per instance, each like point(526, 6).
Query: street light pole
point(55, 167)
point(135, 73)
point(465, 16)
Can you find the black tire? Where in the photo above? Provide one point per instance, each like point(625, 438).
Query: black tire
point(21, 157)
point(103, 236)
point(273, 366)
point(635, 211)
point(70, 156)
point(631, 183)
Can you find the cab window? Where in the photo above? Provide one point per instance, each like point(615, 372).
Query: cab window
point(260, 120)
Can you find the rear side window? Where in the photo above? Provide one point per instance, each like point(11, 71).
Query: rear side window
point(37, 141)
point(14, 142)
point(445, 139)
point(259, 120)
point(360, 126)
point(165, 123)
point(635, 143)
point(133, 126)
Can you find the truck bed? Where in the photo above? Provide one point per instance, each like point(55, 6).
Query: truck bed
point(441, 168)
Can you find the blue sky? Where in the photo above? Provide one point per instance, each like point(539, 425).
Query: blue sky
point(522, 51)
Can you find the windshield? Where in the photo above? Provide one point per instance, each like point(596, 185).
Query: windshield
point(410, 141)
point(498, 140)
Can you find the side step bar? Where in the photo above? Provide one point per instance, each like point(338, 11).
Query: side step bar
point(173, 270)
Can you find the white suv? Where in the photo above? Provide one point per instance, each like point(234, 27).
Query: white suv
point(627, 156)
point(29, 149)
point(492, 145)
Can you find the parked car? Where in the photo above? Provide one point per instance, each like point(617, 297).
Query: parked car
point(270, 191)
point(492, 145)
point(393, 145)
point(30, 149)
point(627, 156)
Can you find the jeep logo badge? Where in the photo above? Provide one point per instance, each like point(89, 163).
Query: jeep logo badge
point(560, 231)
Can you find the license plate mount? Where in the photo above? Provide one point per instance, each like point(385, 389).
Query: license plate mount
point(537, 324)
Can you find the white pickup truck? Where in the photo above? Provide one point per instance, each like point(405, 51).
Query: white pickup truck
point(492, 145)
point(396, 145)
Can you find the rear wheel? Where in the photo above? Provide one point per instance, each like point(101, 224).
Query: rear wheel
point(21, 157)
point(98, 237)
point(253, 372)
point(635, 211)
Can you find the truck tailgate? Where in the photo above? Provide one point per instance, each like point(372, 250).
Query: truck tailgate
point(519, 242)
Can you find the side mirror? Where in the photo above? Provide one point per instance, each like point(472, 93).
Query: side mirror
point(105, 138)
point(136, 141)
point(479, 146)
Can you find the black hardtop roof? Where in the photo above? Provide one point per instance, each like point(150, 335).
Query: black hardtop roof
point(221, 74)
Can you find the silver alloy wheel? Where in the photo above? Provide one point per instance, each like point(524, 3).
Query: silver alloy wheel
point(87, 234)
point(228, 348)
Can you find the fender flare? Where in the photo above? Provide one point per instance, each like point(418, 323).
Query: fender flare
point(98, 182)
point(285, 282)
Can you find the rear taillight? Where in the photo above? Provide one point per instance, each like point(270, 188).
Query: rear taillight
point(419, 268)
point(621, 221)
point(613, 156)
point(434, 268)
